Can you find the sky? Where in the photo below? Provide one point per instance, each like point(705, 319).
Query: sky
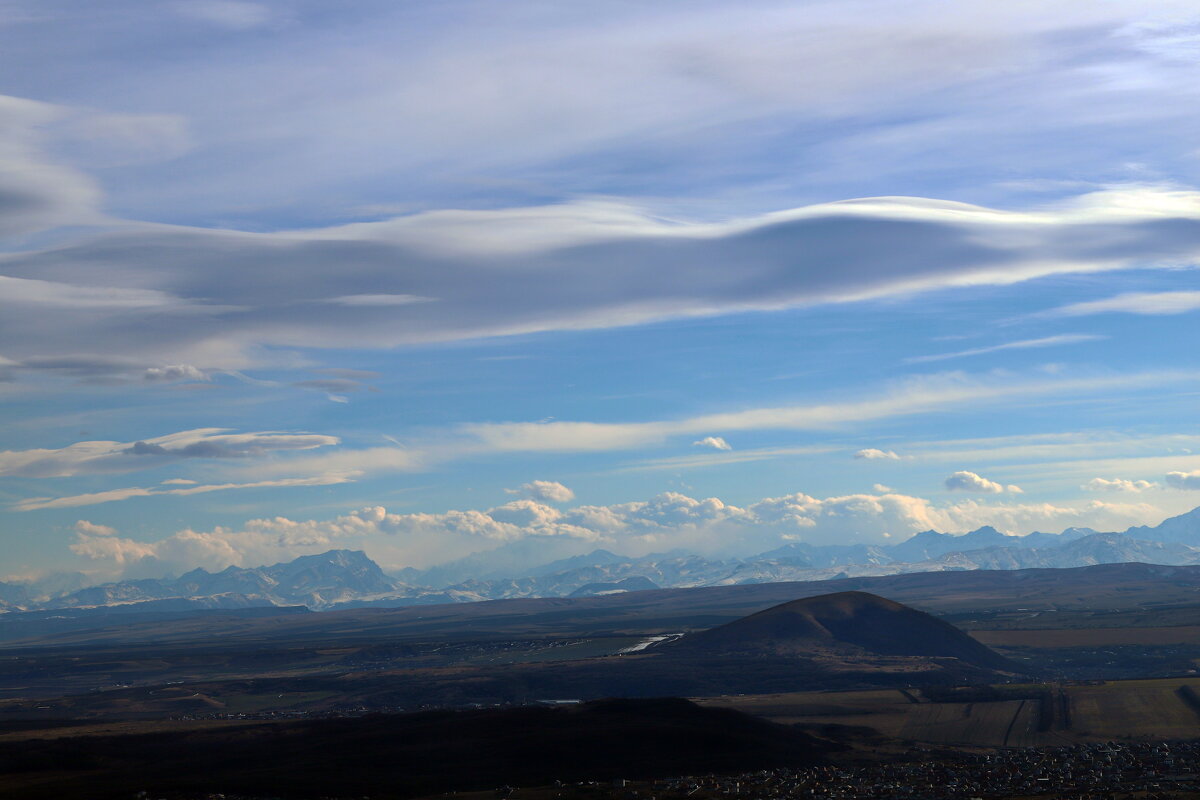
point(432, 279)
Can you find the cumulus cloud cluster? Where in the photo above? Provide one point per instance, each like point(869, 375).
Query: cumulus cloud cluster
point(545, 492)
point(670, 520)
point(1118, 485)
point(873, 454)
point(964, 481)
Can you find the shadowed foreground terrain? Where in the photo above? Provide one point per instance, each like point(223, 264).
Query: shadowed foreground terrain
point(409, 755)
point(839, 641)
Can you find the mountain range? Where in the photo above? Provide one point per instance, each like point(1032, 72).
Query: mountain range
point(348, 579)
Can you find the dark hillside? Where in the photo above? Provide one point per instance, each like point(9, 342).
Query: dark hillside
point(844, 622)
point(409, 755)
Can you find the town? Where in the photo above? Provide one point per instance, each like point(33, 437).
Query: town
point(1101, 771)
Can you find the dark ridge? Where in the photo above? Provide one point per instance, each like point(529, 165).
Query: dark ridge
point(411, 755)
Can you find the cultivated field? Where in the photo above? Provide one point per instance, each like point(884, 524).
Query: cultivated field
point(1088, 637)
point(1036, 715)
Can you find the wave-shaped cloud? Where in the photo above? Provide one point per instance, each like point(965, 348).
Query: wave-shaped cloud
point(215, 294)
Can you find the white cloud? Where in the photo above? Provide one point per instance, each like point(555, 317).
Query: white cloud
point(504, 272)
point(1024, 344)
point(107, 457)
point(879, 487)
point(51, 294)
point(114, 495)
point(1117, 485)
point(1149, 303)
point(714, 442)
point(36, 194)
point(722, 458)
point(916, 396)
point(380, 299)
point(963, 481)
point(85, 528)
point(1184, 480)
point(545, 491)
point(667, 521)
point(872, 454)
point(233, 14)
point(346, 462)
point(175, 372)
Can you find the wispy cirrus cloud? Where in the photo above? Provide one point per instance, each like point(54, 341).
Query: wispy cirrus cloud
point(94, 457)
point(1023, 344)
point(1146, 303)
point(1118, 485)
point(125, 493)
point(917, 396)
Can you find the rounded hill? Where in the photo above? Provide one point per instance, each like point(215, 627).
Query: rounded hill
point(841, 622)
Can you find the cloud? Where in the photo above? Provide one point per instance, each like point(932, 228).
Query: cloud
point(1024, 344)
point(722, 458)
point(233, 14)
point(879, 487)
point(349, 374)
point(221, 445)
point(545, 491)
point(36, 194)
point(1149, 303)
point(218, 295)
point(175, 372)
point(666, 521)
point(63, 296)
point(379, 299)
point(85, 528)
point(714, 442)
point(330, 384)
point(872, 454)
point(1117, 485)
point(114, 495)
point(1184, 480)
point(106, 457)
point(919, 395)
point(963, 481)
point(347, 462)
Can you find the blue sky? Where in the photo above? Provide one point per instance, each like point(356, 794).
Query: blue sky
point(429, 279)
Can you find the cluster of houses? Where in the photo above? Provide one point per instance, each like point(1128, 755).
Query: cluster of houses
point(1104, 771)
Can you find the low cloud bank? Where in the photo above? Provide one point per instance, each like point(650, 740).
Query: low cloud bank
point(667, 521)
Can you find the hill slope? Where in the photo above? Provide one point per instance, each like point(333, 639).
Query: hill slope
point(410, 755)
point(855, 623)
